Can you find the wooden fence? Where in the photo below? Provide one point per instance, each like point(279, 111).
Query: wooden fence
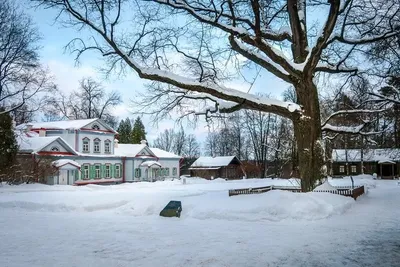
point(344, 191)
point(247, 191)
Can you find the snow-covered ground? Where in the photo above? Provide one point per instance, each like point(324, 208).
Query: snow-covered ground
point(119, 225)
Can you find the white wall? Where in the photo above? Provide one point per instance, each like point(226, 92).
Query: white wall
point(68, 137)
point(57, 144)
point(102, 136)
point(165, 163)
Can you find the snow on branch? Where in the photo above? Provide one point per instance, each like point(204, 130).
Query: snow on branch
point(385, 98)
point(353, 111)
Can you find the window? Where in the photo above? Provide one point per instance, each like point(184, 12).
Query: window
point(353, 168)
point(85, 171)
point(55, 149)
point(166, 171)
point(96, 145)
point(97, 171)
point(174, 171)
point(107, 146)
point(107, 171)
point(85, 145)
point(95, 127)
point(137, 172)
point(117, 170)
point(341, 169)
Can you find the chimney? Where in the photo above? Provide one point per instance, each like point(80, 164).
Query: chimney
point(42, 133)
point(115, 143)
point(143, 142)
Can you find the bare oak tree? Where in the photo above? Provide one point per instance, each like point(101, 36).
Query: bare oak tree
point(186, 45)
point(89, 101)
point(22, 78)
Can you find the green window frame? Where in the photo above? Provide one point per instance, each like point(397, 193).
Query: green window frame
point(97, 171)
point(107, 171)
point(118, 170)
point(85, 171)
point(166, 171)
point(174, 171)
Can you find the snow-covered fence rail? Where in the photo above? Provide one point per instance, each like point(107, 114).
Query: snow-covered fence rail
point(354, 193)
point(247, 191)
point(343, 191)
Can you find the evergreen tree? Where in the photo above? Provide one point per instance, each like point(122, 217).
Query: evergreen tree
point(138, 132)
point(8, 143)
point(124, 131)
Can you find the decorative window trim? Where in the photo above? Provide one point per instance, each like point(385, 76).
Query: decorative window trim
point(107, 142)
point(109, 170)
point(138, 172)
point(95, 171)
point(118, 175)
point(55, 149)
point(96, 143)
point(95, 127)
point(88, 145)
point(84, 177)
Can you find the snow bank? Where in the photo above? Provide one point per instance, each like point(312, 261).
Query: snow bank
point(272, 206)
point(359, 180)
point(201, 199)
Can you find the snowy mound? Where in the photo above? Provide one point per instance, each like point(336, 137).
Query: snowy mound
point(272, 206)
point(326, 186)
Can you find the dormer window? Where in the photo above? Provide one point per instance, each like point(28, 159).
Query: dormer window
point(55, 149)
point(107, 146)
point(96, 145)
point(85, 145)
point(96, 127)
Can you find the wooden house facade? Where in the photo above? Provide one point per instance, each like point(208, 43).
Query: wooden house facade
point(384, 162)
point(228, 167)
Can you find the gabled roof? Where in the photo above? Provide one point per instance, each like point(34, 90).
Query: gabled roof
point(150, 163)
point(62, 125)
point(369, 155)
point(163, 154)
point(36, 144)
point(62, 162)
point(131, 150)
point(213, 161)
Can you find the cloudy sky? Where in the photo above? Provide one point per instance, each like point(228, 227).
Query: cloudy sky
point(67, 73)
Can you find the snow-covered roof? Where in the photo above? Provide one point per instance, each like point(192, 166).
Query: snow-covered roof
point(369, 155)
point(205, 168)
point(62, 125)
point(35, 144)
point(62, 162)
point(128, 150)
point(163, 154)
point(150, 163)
point(212, 161)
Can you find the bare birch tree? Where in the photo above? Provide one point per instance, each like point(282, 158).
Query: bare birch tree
point(185, 45)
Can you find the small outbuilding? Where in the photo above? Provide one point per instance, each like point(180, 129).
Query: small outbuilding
point(385, 162)
point(228, 167)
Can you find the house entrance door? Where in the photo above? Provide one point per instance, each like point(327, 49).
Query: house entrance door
point(63, 177)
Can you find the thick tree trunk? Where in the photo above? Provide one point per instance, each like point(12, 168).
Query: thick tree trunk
point(307, 130)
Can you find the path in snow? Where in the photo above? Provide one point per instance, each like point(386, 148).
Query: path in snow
point(366, 235)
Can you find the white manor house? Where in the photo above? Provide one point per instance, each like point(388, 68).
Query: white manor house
point(87, 151)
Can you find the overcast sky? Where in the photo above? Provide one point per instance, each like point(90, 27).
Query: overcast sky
point(67, 74)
